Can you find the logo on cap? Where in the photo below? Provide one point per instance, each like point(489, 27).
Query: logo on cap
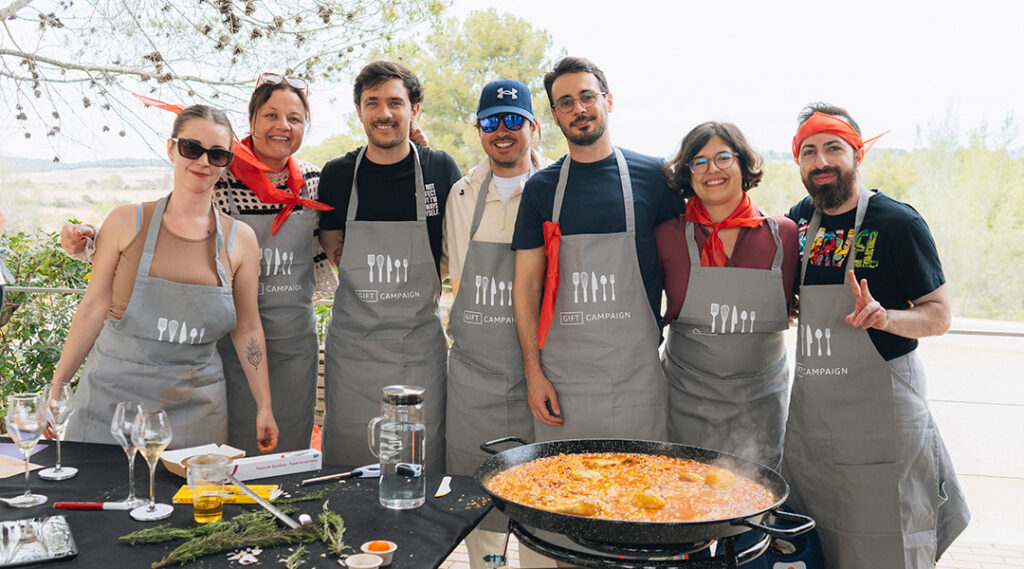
point(510, 92)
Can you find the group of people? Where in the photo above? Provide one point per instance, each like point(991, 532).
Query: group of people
point(558, 271)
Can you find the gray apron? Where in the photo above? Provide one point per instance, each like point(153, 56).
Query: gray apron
point(863, 456)
point(286, 310)
point(385, 330)
point(161, 352)
point(601, 354)
point(725, 360)
point(486, 382)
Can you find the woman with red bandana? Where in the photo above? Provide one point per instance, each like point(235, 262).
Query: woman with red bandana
point(278, 203)
point(729, 272)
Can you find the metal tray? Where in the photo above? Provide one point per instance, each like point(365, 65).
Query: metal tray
point(35, 540)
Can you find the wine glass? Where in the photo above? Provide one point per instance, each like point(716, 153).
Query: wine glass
point(151, 433)
point(121, 429)
point(57, 409)
point(25, 425)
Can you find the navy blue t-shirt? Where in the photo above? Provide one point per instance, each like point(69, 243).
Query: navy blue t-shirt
point(593, 204)
point(895, 253)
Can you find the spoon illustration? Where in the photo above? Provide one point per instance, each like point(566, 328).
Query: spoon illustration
point(398, 265)
point(817, 334)
point(371, 260)
point(501, 289)
point(604, 288)
point(192, 336)
point(405, 270)
point(743, 321)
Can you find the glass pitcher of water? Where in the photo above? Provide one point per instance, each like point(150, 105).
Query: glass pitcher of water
point(397, 439)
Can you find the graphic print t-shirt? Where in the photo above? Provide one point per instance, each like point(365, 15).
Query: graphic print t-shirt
point(895, 252)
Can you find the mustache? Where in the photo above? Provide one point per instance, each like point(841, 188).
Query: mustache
point(581, 119)
point(385, 123)
point(828, 170)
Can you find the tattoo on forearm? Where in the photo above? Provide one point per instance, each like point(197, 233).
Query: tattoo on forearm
point(253, 353)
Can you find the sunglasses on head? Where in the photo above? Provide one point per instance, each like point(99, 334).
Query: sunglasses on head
point(276, 79)
point(192, 150)
point(512, 122)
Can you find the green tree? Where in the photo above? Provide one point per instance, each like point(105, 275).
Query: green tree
point(454, 63)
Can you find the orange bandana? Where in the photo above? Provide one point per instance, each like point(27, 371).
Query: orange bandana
point(820, 122)
point(251, 171)
point(746, 214)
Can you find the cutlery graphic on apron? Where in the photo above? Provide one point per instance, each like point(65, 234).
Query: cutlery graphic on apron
point(509, 287)
point(405, 270)
point(593, 282)
point(817, 334)
point(173, 327)
point(398, 266)
point(184, 332)
point(725, 316)
point(380, 268)
point(714, 315)
point(478, 289)
point(743, 321)
point(371, 260)
point(161, 325)
point(604, 288)
point(585, 278)
point(485, 290)
point(501, 289)
point(576, 287)
point(752, 316)
point(828, 341)
point(494, 290)
point(389, 269)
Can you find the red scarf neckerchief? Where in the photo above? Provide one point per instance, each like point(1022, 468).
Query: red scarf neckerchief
point(552, 244)
point(746, 214)
point(252, 172)
point(255, 178)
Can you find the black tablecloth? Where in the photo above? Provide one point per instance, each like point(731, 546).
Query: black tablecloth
point(425, 536)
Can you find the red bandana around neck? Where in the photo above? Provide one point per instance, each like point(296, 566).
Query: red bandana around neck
point(820, 122)
point(252, 172)
point(552, 245)
point(255, 178)
point(746, 214)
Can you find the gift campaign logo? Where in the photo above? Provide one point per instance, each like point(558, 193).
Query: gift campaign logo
point(815, 345)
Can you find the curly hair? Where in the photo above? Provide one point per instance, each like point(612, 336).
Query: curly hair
point(677, 169)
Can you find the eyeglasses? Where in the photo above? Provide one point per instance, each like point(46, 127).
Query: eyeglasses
point(512, 122)
point(276, 79)
point(722, 161)
point(192, 150)
point(567, 104)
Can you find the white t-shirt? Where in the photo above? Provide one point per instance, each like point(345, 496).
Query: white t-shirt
point(505, 187)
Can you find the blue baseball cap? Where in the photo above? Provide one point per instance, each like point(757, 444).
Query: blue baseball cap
point(505, 96)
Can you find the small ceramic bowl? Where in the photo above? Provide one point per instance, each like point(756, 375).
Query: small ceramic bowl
point(385, 554)
point(364, 561)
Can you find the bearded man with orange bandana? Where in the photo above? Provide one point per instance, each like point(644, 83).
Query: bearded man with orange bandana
point(862, 452)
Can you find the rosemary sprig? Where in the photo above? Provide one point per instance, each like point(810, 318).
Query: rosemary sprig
point(294, 561)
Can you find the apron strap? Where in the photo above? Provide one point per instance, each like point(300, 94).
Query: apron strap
point(421, 191)
point(624, 181)
point(481, 201)
point(138, 218)
point(231, 237)
point(146, 262)
point(812, 232)
point(691, 244)
point(779, 253)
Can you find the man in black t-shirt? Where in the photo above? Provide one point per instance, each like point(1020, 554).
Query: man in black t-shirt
point(389, 200)
point(862, 454)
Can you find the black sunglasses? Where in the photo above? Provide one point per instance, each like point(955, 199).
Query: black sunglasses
point(192, 150)
point(512, 122)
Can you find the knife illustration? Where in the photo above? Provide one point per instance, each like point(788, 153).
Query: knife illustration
point(389, 268)
point(809, 338)
point(184, 332)
point(735, 317)
point(584, 275)
point(494, 291)
point(277, 259)
point(593, 282)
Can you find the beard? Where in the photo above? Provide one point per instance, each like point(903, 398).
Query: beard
point(584, 138)
point(833, 194)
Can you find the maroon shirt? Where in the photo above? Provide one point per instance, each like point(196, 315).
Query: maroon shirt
point(755, 249)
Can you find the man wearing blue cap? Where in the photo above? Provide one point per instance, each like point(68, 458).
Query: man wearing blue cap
point(486, 384)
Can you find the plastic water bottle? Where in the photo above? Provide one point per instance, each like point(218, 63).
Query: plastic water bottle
point(400, 447)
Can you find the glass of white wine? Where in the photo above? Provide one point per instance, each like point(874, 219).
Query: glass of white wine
point(57, 409)
point(121, 429)
point(25, 425)
point(151, 433)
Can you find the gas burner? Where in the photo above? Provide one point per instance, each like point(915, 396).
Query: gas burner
point(601, 555)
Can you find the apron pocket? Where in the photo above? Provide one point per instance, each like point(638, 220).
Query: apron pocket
point(867, 498)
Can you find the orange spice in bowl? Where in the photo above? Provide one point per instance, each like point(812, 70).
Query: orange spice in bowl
point(381, 547)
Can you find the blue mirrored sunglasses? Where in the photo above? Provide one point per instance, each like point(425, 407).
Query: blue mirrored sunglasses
point(512, 122)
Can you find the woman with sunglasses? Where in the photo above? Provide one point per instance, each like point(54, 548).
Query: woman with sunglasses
point(169, 279)
point(729, 271)
point(278, 203)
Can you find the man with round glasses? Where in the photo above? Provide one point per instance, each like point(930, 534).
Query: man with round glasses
point(584, 240)
point(486, 384)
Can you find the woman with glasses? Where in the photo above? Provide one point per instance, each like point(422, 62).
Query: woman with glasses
point(279, 204)
point(169, 279)
point(729, 271)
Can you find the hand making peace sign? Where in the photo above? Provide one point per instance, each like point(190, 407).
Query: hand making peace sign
point(867, 313)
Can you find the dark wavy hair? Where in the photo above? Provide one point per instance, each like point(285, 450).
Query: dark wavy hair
point(380, 71)
point(262, 94)
point(571, 64)
point(678, 172)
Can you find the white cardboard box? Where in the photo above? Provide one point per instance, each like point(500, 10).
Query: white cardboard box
point(277, 464)
point(174, 459)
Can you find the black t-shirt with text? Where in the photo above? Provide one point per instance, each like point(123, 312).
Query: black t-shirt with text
point(895, 252)
point(387, 191)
